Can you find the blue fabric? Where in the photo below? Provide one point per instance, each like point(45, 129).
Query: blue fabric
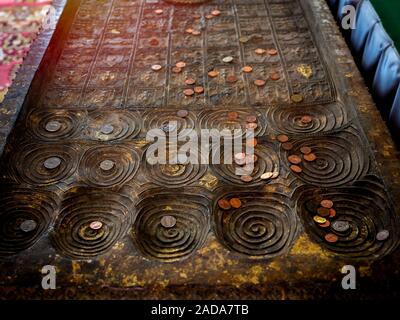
point(394, 118)
point(333, 4)
point(386, 80)
point(378, 40)
point(342, 4)
point(366, 18)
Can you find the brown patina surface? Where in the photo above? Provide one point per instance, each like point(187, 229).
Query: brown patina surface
point(115, 226)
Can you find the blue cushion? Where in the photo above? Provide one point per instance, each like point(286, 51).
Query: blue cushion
point(366, 18)
point(394, 118)
point(342, 4)
point(378, 40)
point(386, 80)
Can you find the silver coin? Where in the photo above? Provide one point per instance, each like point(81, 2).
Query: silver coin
point(28, 225)
point(340, 226)
point(382, 235)
point(53, 126)
point(96, 225)
point(168, 221)
point(107, 129)
point(227, 59)
point(107, 165)
point(52, 163)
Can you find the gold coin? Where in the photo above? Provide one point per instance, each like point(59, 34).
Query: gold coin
point(319, 219)
point(297, 98)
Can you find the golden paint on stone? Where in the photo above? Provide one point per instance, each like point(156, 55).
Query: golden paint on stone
point(305, 70)
point(172, 169)
point(209, 181)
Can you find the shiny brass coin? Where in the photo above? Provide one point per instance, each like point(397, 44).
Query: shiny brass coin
point(266, 175)
point(287, 146)
point(216, 13)
point(327, 203)
point(158, 11)
point(180, 64)
point(246, 178)
point(176, 70)
point(224, 204)
point(325, 225)
point(213, 73)
point(227, 59)
point(190, 81)
point(251, 119)
point(53, 126)
point(156, 67)
point(182, 113)
point(235, 203)
point(247, 69)
point(107, 129)
point(306, 119)
point(199, 89)
point(107, 165)
point(382, 235)
point(297, 98)
point(232, 115)
point(332, 213)
point(52, 163)
point(96, 225)
point(305, 150)
point(323, 212)
point(272, 52)
point(294, 159)
point(231, 79)
point(260, 51)
point(319, 219)
point(332, 238)
point(259, 82)
point(310, 157)
point(282, 138)
point(244, 39)
point(188, 92)
point(275, 76)
point(168, 221)
point(251, 126)
point(28, 225)
point(251, 143)
point(340, 226)
point(296, 169)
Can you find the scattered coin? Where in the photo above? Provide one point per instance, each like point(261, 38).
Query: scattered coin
point(287, 146)
point(259, 82)
point(180, 64)
point(332, 238)
point(216, 13)
point(251, 119)
point(319, 219)
point(213, 73)
point(247, 69)
point(156, 67)
point(332, 213)
point(189, 30)
point(266, 175)
point(176, 69)
point(310, 157)
point(188, 92)
point(240, 156)
point(199, 89)
point(168, 221)
point(96, 225)
point(209, 16)
point(231, 79)
point(154, 42)
point(227, 59)
point(107, 129)
point(325, 225)
point(246, 178)
point(190, 81)
point(235, 203)
point(296, 169)
point(53, 126)
point(52, 163)
point(305, 150)
point(323, 212)
point(182, 113)
point(272, 52)
point(282, 138)
point(294, 159)
point(244, 39)
point(158, 11)
point(196, 33)
point(275, 175)
point(28, 225)
point(251, 143)
point(224, 204)
point(107, 165)
point(275, 76)
point(297, 98)
point(232, 115)
point(306, 119)
point(260, 51)
point(382, 235)
point(251, 126)
point(340, 226)
point(327, 203)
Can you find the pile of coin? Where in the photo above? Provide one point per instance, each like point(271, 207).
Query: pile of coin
point(325, 213)
point(234, 203)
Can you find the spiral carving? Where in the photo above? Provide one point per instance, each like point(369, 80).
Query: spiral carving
point(21, 205)
point(74, 235)
point(109, 165)
point(264, 226)
point(191, 214)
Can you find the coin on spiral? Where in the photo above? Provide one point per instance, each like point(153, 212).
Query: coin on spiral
point(247, 69)
point(246, 178)
point(326, 203)
point(340, 226)
point(216, 13)
point(96, 225)
point(310, 157)
point(296, 168)
point(188, 92)
point(190, 81)
point(107, 165)
point(382, 235)
point(305, 150)
point(287, 146)
point(297, 98)
point(275, 76)
point(332, 213)
point(266, 175)
point(227, 59)
point(272, 52)
point(282, 138)
point(332, 238)
point(326, 224)
point(182, 113)
point(235, 203)
point(244, 39)
point(275, 175)
point(107, 129)
point(259, 82)
point(306, 119)
point(52, 163)
point(28, 225)
point(156, 67)
point(168, 221)
point(251, 126)
point(224, 204)
point(180, 64)
point(198, 89)
point(213, 73)
point(294, 159)
point(53, 126)
point(319, 219)
point(323, 212)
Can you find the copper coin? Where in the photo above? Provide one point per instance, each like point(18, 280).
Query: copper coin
point(156, 67)
point(296, 98)
point(305, 150)
point(266, 175)
point(158, 11)
point(306, 119)
point(180, 64)
point(260, 51)
point(332, 238)
point(382, 235)
point(272, 52)
point(176, 70)
point(53, 126)
point(332, 213)
point(28, 225)
point(168, 221)
point(182, 113)
point(247, 69)
point(259, 82)
point(213, 73)
point(251, 126)
point(189, 30)
point(251, 142)
point(231, 79)
point(296, 169)
point(323, 212)
point(235, 203)
point(310, 157)
point(275, 175)
point(190, 81)
point(154, 42)
point(246, 178)
point(325, 225)
point(107, 129)
point(232, 115)
point(107, 165)
point(224, 204)
point(199, 89)
point(327, 203)
point(251, 119)
point(196, 33)
point(188, 92)
point(282, 138)
point(275, 76)
point(52, 163)
point(287, 146)
point(209, 16)
point(294, 159)
point(319, 219)
point(340, 226)
point(96, 225)
point(240, 162)
point(216, 13)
